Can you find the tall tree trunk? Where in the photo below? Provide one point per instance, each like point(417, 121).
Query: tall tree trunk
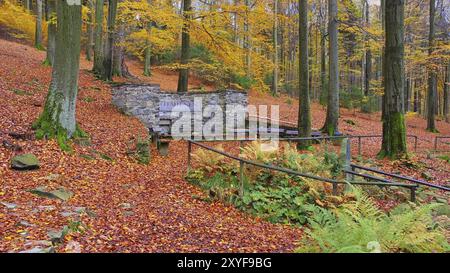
point(90, 30)
point(446, 94)
point(51, 32)
point(38, 32)
point(275, 46)
point(323, 72)
point(331, 122)
point(148, 49)
point(109, 45)
point(247, 46)
point(432, 75)
point(394, 132)
point(367, 107)
point(98, 45)
point(58, 118)
point(185, 40)
point(304, 113)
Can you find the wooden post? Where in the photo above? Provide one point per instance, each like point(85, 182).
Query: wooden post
point(415, 143)
point(413, 194)
point(241, 178)
point(189, 157)
point(359, 145)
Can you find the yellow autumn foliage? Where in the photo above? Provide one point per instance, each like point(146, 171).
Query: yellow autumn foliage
point(18, 19)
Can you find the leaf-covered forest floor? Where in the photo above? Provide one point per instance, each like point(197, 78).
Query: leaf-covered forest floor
point(130, 207)
point(137, 208)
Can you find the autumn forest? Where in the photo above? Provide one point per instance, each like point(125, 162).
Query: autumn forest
point(239, 126)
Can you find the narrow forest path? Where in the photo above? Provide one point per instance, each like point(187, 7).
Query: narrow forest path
point(137, 208)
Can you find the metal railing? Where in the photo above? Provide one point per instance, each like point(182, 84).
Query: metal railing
point(335, 183)
point(413, 180)
point(436, 141)
point(288, 139)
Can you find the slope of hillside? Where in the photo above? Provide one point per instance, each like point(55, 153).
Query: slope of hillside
point(119, 205)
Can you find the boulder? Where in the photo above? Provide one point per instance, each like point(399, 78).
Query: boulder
point(25, 162)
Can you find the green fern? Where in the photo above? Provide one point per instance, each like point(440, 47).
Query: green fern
point(360, 226)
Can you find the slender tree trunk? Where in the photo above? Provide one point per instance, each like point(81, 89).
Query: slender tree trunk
point(58, 118)
point(185, 40)
point(432, 75)
point(323, 71)
point(148, 49)
point(51, 32)
point(304, 113)
point(275, 45)
point(394, 131)
point(109, 45)
point(331, 122)
point(90, 30)
point(38, 32)
point(98, 45)
point(367, 65)
point(247, 46)
point(446, 94)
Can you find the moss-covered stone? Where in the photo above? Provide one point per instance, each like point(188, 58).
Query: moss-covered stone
point(25, 162)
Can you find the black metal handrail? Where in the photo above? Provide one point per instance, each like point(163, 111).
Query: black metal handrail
point(436, 140)
point(410, 179)
point(243, 161)
point(359, 137)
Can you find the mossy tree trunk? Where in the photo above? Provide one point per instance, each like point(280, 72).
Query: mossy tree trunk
point(331, 121)
point(304, 113)
point(51, 32)
point(185, 41)
point(107, 71)
point(148, 49)
point(38, 31)
point(432, 75)
point(394, 131)
point(98, 43)
point(58, 118)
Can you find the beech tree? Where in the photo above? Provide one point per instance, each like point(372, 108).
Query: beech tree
point(394, 132)
point(58, 117)
point(38, 32)
point(51, 32)
point(98, 44)
point(432, 75)
point(148, 49)
point(185, 40)
point(331, 122)
point(304, 113)
point(107, 70)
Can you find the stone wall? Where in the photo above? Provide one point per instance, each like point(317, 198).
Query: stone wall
point(145, 101)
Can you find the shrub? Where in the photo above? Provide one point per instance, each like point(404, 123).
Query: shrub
point(242, 81)
point(359, 226)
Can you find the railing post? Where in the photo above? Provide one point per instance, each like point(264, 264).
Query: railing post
point(335, 188)
point(241, 178)
point(189, 157)
point(413, 194)
point(359, 145)
point(241, 145)
point(415, 143)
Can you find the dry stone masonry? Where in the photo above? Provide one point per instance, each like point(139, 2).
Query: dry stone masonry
point(152, 106)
